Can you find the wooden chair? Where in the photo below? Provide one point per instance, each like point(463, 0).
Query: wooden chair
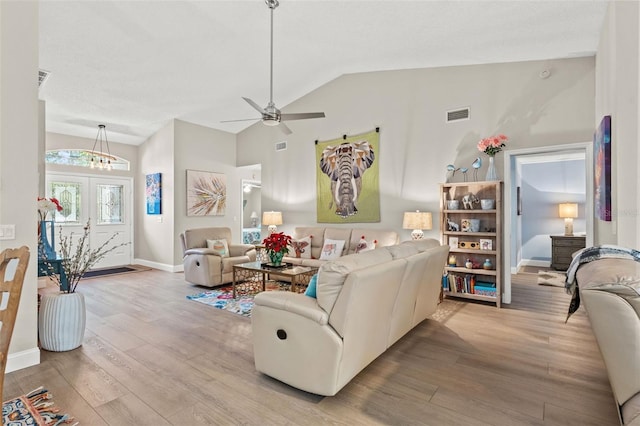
point(10, 291)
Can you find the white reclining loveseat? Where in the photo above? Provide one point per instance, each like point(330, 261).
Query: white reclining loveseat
point(365, 302)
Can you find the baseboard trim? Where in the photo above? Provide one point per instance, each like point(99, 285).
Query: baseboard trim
point(160, 266)
point(22, 359)
point(536, 263)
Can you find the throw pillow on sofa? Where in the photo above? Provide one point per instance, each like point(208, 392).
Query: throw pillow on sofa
point(332, 249)
point(311, 288)
point(219, 246)
point(301, 247)
point(364, 245)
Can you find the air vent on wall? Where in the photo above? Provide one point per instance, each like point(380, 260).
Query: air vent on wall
point(457, 115)
point(281, 146)
point(42, 77)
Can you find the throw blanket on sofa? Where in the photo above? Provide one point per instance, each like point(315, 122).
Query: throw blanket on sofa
point(589, 255)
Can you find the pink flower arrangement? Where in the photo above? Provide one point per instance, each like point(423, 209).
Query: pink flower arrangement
point(46, 205)
point(492, 145)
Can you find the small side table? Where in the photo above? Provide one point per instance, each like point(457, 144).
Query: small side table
point(562, 247)
point(56, 268)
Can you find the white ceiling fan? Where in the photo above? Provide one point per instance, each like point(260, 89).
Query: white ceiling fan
point(271, 115)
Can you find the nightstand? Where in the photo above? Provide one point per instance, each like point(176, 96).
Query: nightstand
point(562, 247)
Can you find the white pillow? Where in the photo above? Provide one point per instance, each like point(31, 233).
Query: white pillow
point(332, 249)
point(219, 246)
point(301, 248)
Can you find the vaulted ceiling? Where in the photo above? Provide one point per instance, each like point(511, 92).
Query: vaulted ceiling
point(135, 65)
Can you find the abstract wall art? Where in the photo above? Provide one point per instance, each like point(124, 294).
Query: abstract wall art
point(153, 193)
point(602, 169)
point(206, 193)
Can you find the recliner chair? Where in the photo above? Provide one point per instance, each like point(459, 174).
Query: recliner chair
point(205, 266)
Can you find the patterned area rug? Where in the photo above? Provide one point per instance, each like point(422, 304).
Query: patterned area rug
point(34, 408)
point(221, 298)
point(550, 278)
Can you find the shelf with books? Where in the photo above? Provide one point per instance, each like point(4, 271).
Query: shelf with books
point(474, 236)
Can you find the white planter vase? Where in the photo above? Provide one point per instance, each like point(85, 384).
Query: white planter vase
point(62, 321)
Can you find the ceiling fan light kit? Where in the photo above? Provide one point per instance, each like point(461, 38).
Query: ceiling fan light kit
point(271, 115)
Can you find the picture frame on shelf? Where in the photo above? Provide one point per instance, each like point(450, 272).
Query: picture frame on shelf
point(486, 244)
point(453, 242)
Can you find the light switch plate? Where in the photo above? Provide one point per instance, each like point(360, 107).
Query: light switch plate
point(7, 232)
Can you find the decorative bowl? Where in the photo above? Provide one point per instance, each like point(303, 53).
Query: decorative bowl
point(487, 204)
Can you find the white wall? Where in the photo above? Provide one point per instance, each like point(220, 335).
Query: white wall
point(617, 92)
point(543, 187)
point(19, 129)
point(416, 144)
point(205, 149)
point(155, 234)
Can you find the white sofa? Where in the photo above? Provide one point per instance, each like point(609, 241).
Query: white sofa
point(351, 237)
point(609, 292)
point(365, 302)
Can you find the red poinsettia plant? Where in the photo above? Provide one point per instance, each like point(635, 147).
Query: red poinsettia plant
point(278, 242)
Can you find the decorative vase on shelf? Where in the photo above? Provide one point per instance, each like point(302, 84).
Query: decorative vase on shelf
point(487, 264)
point(46, 240)
point(276, 257)
point(492, 173)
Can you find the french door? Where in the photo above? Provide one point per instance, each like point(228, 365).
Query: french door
point(104, 202)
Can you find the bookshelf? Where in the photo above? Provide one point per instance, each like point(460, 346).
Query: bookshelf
point(472, 227)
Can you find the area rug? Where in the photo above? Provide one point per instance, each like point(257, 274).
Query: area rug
point(550, 278)
point(222, 298)
point(34, 408)
point(115, 271)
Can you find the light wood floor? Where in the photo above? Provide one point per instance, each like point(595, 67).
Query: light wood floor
point(152, 357)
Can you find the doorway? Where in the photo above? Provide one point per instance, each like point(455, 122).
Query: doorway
point(105, 201)
point(513, 211)
point(251, 211)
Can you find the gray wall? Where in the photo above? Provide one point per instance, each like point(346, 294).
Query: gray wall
point(543, 187)
point(416, 144)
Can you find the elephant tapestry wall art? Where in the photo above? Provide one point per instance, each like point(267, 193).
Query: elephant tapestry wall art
point(348, 179)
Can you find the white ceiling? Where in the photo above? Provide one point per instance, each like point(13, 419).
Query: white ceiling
point(135, 65)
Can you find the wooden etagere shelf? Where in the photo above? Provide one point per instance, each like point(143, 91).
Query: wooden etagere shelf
point(474, 235)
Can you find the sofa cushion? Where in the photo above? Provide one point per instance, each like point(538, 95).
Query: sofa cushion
point(402, 250)
point(423, 244)
point(332, 274)
point(383, 238)
point(219, 246)
point(317, 238)
point(343, 234)
point(332, 249)
point(631, 410)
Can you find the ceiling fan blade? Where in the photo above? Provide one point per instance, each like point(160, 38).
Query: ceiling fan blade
point(284, 129)
point(242, 119)
point(301, 116)
point(255, 105)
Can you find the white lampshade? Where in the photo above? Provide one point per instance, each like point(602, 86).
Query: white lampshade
point(272, 220)
point(254, 215)
point(568, 211)
point(417, 221)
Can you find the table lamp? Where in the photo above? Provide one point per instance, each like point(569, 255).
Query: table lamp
point(417, 221)
point(568, 211)
point(272, 220)
point(254, 219)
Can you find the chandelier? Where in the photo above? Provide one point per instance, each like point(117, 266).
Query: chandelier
point(103, 158)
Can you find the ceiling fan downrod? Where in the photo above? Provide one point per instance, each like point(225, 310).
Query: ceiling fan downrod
point(272, 5)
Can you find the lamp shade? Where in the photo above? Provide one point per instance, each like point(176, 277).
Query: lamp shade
point(417, 220)
point(568, 210)
point(254, 215)
point(272, 218)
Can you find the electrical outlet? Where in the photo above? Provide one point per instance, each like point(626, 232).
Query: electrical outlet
point(7, 232)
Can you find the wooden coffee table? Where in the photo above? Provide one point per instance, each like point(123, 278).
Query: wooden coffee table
point(254, 271)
